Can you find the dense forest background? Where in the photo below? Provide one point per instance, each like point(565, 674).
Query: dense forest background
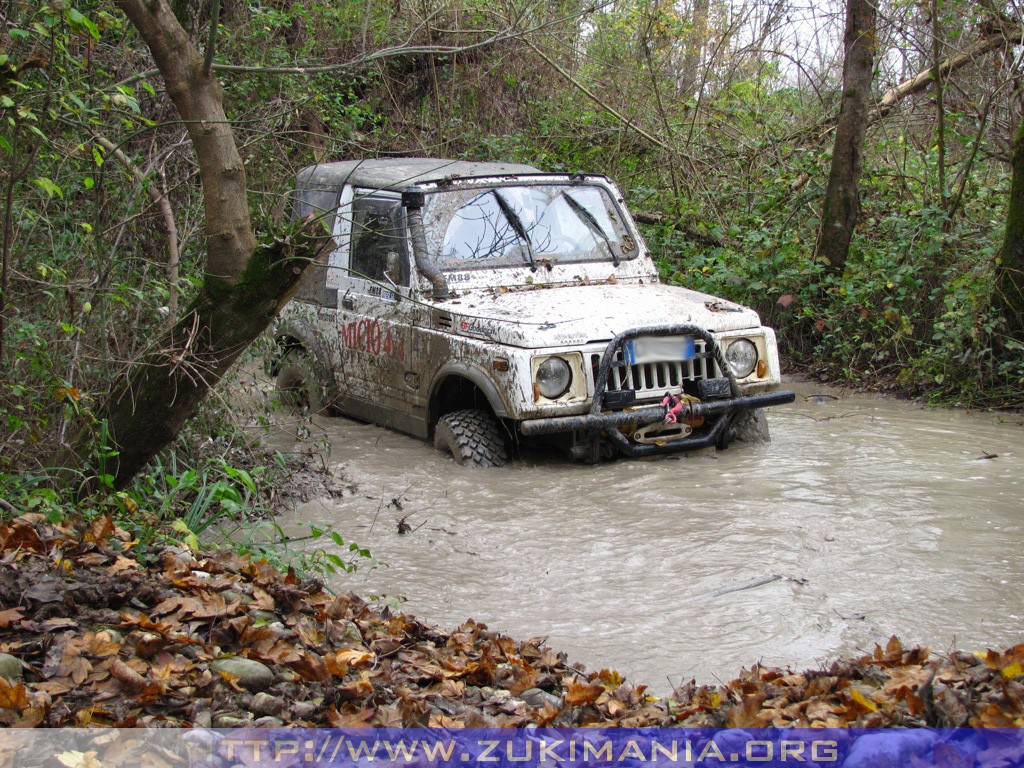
point(718, 119)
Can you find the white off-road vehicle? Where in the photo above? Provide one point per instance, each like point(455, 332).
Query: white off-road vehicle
point(488, 305)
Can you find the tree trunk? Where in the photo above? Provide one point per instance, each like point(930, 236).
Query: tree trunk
point(693, 48)
point(244, 285)
point(198, 98)
point(148, 406)
point(1009, 286)
point(839, 214)
point(940, 104)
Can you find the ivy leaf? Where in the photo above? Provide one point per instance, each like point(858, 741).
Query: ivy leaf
point(127, 99)
point(49, 187)
point(77, 19)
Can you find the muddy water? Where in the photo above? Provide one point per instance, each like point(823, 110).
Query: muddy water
point(864, 518)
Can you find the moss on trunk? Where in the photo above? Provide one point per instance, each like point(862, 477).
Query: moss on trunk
point(148, 406)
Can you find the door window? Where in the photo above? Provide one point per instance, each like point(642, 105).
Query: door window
point(378, 231)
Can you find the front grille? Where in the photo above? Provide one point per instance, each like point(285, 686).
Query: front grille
point(654, 379)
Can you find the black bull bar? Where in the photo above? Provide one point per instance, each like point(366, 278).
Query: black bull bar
point(598, 421)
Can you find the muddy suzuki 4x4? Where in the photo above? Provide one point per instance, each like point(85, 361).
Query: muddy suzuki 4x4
point(487, 305)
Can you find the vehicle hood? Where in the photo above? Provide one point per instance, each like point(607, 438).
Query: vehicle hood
point(545, 317)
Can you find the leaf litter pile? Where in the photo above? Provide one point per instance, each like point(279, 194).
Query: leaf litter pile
point(91, 637)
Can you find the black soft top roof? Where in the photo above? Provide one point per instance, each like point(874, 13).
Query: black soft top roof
point(399, 173)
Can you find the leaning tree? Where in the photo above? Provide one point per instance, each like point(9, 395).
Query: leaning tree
point(247, 278)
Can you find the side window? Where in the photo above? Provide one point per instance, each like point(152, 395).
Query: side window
point(378, 229)
point(314, 287)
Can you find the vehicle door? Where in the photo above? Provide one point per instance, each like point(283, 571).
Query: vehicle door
point(375, 307)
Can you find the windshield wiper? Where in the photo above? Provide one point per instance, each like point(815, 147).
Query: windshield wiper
point(590, 221)
point(517, 225)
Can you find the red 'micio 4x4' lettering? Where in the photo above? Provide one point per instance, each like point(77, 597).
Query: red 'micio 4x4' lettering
point(367, 336)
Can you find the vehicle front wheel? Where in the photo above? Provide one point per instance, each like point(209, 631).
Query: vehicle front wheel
point(298, 386)
point(749, 427)
point(472, 437)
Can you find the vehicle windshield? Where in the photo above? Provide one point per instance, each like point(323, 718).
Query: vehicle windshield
point(523, 225)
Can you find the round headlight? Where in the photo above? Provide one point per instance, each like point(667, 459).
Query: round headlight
point(742, 357)
point(553, 378)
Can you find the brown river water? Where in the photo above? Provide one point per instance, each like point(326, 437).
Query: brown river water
point(865, 517)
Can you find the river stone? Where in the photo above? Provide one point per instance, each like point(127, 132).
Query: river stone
point(268, 722)
point(265, 704)
point(535, 697)
point(251, 675)
point(203, 719)
point(231, 721)
point(305, 710)
point(11, 669)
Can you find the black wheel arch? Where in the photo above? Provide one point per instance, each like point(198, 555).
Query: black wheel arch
point(457, 387)
point(294, 335)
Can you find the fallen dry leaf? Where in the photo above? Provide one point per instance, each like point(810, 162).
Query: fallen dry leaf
point(578, 693)
point(13, 697)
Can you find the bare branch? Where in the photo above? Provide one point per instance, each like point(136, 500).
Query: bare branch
point(597, 99)
point(166, 213)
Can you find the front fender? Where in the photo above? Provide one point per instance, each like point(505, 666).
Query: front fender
point(479, 378)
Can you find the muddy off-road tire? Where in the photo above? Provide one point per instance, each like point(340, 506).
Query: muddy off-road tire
point(472, 437)
point(750, 427)
point(298, 386)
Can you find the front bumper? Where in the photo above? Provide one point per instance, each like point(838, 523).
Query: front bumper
point(717, 414)
point(718, 411)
